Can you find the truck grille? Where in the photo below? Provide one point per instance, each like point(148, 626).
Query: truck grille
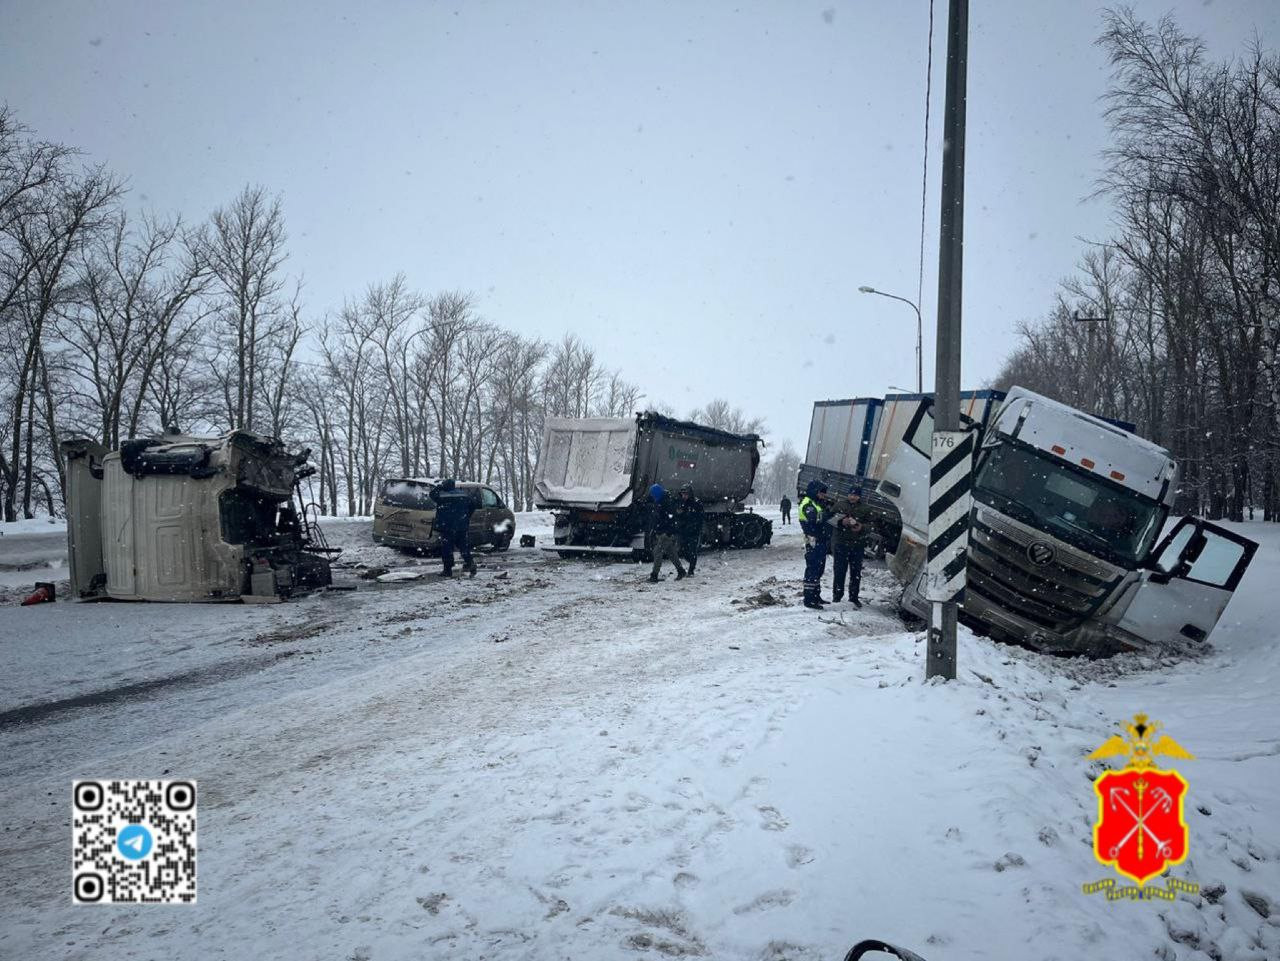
point(1058, 595)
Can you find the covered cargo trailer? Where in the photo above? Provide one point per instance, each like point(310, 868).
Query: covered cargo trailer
point(595, 474)
point(181, 518)
point(852, 444)
point(841, 434)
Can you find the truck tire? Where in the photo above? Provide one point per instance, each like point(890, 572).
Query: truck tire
point(748, 531)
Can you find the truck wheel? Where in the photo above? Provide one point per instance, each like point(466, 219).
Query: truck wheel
point(502, 543)
point(748, 531)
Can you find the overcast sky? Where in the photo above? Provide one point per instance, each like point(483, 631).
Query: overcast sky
point(697, 189)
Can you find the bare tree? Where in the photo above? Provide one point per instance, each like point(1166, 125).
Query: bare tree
point(245, 251)
point(50, 214)
point(722, 415)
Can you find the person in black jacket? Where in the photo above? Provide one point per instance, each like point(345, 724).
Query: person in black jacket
point(453, 520)
point(785, 504)
point(662, 532)
point(689, 526)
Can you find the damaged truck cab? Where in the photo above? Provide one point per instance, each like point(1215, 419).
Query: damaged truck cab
point(182, 518)
point(1063, 554)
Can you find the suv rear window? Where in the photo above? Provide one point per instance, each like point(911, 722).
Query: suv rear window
point(412, 495)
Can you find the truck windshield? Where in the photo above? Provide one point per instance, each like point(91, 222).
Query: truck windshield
point(413, 495)
point(1067, 502)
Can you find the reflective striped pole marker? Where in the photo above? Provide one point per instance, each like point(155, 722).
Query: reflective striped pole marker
point(950, 496)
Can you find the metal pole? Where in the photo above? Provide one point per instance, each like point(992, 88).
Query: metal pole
point(941, 657)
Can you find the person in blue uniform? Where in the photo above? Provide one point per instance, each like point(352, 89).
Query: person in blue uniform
point(814, 518)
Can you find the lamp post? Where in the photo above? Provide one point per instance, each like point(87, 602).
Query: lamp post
point(919, 333)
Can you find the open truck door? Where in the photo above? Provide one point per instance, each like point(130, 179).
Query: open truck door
point(1193, 574)
point(84, 516)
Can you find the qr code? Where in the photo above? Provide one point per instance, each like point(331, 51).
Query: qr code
point(133, 842)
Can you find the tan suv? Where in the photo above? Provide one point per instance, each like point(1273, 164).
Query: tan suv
point(404, 516)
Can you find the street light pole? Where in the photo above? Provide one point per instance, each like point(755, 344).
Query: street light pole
point(941, 655)
point(919, 333)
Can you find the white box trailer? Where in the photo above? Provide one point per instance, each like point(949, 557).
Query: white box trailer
point(841, 436)
point(852, 444)
point(595, 474)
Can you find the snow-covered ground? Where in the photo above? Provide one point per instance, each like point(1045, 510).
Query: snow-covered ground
point(559, 760)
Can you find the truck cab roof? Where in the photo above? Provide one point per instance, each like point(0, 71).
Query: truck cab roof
point(1094, 444)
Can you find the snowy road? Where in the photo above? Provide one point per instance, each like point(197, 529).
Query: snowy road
point(559, 760)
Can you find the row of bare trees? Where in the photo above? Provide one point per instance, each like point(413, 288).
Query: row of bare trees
point(415, 386)
point(114, 325)
point(1174, 323)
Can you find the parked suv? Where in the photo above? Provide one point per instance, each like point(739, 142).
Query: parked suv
point(404, 516)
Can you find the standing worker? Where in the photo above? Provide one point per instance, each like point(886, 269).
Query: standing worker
point(662, 532)
point(849, 546)
point(453, 520)
point(814, 524)
point(689, 516)
point(786, 509)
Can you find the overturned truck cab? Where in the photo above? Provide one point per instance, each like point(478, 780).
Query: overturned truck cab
point(181, 518)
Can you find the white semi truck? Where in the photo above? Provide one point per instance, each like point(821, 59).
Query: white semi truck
point(1065, 553)
point(1065, 549)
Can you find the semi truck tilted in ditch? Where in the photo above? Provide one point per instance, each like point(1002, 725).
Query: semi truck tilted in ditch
point(1065, 549)
point(595, 474)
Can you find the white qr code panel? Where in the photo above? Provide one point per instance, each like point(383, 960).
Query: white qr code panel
point(133, 842)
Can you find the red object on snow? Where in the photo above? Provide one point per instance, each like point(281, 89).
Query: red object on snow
point(44, 594)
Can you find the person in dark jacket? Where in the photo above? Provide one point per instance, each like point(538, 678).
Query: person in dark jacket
point(663, 531)
point(816, 527)
point(786, 509)
point(454, 508)
point(689, 515)
point(849, 543)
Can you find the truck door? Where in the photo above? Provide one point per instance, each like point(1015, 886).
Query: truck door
point(1195, 571)
point(84, 515)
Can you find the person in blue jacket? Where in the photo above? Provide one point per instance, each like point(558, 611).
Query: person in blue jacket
point(664, 530)
point(454, 508)
point(815, 525)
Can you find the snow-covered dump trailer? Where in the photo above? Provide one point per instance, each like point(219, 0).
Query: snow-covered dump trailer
point(181, 518)
point(1064, 551)
point(595, 474)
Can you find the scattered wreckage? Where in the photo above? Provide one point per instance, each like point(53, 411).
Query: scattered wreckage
point(182, 518)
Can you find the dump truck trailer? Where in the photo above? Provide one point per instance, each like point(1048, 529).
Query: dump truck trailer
point(183, 518)
point(1066, 553)
point(595, 473)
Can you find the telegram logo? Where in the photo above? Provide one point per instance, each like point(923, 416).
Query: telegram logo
point(134, 842)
